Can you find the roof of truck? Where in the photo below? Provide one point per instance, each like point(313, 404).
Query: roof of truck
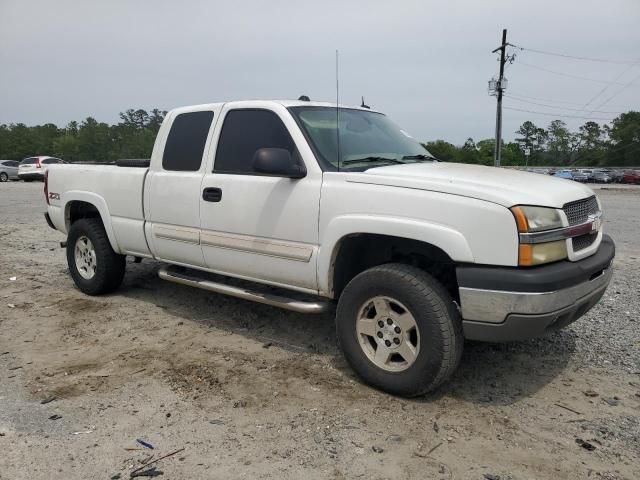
point(304, 103)
point(260, 102)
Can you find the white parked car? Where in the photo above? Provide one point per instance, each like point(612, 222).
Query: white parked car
point(33, 168)
point(8, 170)
point(417, 255)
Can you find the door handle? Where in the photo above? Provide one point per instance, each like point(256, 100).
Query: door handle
point(212, 194)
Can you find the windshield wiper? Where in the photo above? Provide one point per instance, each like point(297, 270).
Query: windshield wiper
point(420, 156)
point(369, 160)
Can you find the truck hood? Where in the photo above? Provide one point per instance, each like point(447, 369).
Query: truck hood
point(498, 185)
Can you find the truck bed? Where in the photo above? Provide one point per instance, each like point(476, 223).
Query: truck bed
point(116, 189)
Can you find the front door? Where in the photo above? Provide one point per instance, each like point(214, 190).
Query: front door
point(254, 226)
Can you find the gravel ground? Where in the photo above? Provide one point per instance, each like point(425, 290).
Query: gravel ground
point(252, 391)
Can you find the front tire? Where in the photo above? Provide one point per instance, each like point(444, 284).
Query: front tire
point(95, 267)
point(399, 329)
point(4, 177)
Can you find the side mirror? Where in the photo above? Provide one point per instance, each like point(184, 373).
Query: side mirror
point(277, 162)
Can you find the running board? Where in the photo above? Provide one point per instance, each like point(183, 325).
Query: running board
point(183, 278)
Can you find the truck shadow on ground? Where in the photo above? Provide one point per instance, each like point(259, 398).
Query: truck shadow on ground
point(493, 374)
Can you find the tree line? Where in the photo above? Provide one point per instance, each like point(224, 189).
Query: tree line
point(614, 144)
point(89, 140)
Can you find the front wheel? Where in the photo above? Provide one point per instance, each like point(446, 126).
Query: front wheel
point(399, 329)
point(4, 177)
point(95, 267)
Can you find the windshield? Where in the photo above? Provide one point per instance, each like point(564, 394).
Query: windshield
point(367, 139)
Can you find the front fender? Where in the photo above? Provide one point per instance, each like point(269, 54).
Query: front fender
point(95, 200)
point(450, 241)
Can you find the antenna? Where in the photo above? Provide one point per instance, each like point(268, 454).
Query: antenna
point(337, 112)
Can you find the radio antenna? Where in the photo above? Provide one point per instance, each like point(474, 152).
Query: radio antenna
point(337, 112)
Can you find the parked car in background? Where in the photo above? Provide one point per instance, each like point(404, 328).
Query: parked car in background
point(601, 176)
point(582, 176)
point(631, 176)
point(8, 170)
point(33, 168)
point(587, 173)
point(616, 175)
point(566, 174)
point(542, 171)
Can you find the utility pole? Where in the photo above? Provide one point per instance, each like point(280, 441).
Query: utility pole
point(499, 88)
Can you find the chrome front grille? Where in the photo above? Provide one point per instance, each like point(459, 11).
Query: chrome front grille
point(578, 212)
point(583, 241)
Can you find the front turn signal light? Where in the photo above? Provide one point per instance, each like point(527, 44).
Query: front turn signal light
point(530, 254)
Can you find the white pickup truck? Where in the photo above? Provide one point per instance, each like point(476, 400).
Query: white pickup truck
point(308, 204)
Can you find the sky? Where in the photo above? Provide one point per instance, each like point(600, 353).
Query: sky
point(426, 64)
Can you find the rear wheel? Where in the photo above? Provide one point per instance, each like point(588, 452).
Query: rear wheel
point(4, 177)
point(399, 329)
point(95, 267)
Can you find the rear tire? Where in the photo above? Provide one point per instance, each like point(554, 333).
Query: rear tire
point(409, 312)
point(95, 267)
point(4, 177)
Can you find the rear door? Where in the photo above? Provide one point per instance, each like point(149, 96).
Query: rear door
point(13, 168)
point(172, 187)
point(260, 227)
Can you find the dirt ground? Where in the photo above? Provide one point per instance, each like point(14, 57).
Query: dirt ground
point(250, 391)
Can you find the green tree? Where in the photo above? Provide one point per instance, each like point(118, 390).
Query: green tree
point(624, 133)
point(486, 151)
point(528, 134)
point(533, 137)
point(94, 140)
point(67, 146)
point(512, 155)
point(559, 142)
point(469, 152)
point(442, 150)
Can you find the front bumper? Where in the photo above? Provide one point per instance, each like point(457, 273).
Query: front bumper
point(504, 303)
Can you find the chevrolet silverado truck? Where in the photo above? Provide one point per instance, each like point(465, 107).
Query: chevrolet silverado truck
point(306, 205)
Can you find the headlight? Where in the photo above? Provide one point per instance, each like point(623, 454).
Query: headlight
point(538, 219)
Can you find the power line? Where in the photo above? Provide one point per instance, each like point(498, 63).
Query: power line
point(519, 95)
point(557, 114)
point(575, 57)
point(513, 97)
point(563, 74)
point(619, 92)
point(606, 87)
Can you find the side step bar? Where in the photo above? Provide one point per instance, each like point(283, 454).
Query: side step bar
point(183, 278)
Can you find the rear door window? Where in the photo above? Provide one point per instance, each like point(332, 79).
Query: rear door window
point(185, 144)
point(244, 132)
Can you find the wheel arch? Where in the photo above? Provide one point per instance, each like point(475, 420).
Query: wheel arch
point(355, 243)
point(79, 205)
